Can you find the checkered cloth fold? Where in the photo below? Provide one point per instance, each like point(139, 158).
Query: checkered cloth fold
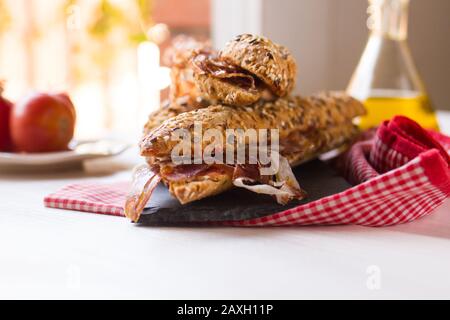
point(401, 173)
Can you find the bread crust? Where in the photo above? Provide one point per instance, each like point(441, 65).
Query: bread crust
point(268, 61)
point(190, 191)
point(289, 115)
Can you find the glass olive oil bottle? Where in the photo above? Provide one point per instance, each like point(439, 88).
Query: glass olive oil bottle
point(386, 78)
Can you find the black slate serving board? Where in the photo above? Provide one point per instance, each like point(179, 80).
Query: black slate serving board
point(316, 177)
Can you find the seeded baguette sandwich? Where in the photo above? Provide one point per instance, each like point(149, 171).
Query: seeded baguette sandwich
point(248, 69)
point(307, 127)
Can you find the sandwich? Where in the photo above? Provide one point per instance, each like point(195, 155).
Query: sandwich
point(248, 69)
point(307, 127)
point(202, 141)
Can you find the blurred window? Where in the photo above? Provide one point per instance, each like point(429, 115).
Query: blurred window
point(90, 48)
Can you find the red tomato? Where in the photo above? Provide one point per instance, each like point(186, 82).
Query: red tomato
point(5, 112)
point(43, 123)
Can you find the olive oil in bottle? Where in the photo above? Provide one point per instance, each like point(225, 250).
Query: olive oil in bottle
point(384, 105)
point(386, 78)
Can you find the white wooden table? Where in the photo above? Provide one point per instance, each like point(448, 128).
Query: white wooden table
point(47, 253)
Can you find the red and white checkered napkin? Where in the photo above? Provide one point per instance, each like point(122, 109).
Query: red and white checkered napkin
point(401, 174)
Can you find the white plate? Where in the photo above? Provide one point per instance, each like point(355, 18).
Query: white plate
point(80, 151)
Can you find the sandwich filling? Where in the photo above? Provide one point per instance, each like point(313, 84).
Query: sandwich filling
point(283, 185)
point(213, 65)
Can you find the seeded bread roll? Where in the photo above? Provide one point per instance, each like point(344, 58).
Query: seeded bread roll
point(268, 61)
point(291, 115)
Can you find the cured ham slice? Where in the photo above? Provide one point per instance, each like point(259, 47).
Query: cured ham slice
point(145, 180)
point(221, 69)
point(192, 171)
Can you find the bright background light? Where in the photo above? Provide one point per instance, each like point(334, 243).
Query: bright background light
point(113, 78)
